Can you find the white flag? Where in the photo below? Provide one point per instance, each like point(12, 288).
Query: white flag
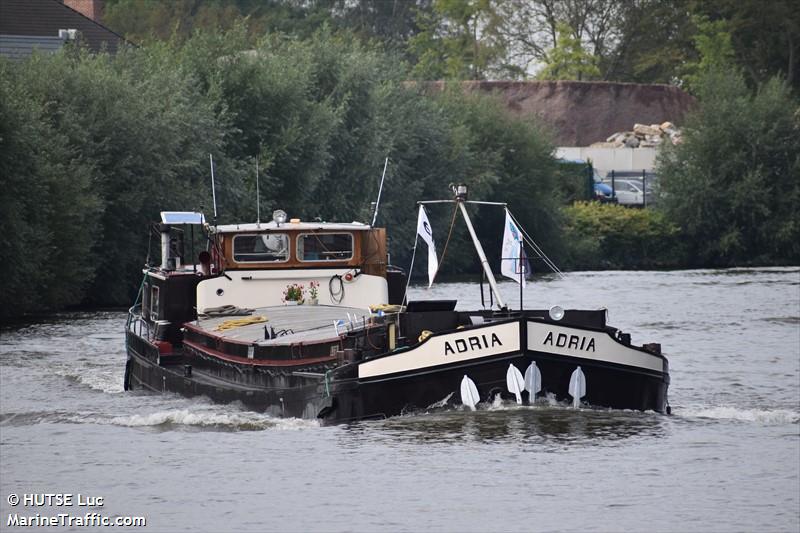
point(424, 230)
point(513, 261)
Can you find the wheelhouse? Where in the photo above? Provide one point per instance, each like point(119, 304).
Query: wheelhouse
point(301, 245)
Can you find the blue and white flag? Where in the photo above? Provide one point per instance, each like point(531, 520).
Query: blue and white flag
point(513, 263)
point(424, 230)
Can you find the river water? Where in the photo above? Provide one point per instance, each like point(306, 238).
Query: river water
point(728, 459)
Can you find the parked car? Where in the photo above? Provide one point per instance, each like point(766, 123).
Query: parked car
point(602, 192)
point(630, 184)
point(630, 192)
point(631, 175)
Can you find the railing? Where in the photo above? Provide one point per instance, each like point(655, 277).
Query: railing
point(136, 324)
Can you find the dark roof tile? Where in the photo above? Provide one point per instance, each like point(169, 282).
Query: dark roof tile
point(46, 17)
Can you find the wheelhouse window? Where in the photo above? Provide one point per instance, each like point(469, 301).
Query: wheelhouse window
point(146, 300)
point(261, 248)
point(325, 246)
point(154, 303)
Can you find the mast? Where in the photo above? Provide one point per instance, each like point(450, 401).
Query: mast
point(380, 190)
point(460, 199)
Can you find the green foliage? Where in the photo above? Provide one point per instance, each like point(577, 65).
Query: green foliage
point(713, 44)
point(615, 237)
point(734, 183)
point(568, 60)
point(644, 41)
point(651, 41)
point(97, 145)
point(129, 136)
point(764, 36)
point(92, 147)
point(457, 40)
point(502, 158)
point(47, 202)
point(149, 21)
point(575, 181)
point(391, 23)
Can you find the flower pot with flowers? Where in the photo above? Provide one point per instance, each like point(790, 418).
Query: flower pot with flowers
point(293, 294)
point(313, 293)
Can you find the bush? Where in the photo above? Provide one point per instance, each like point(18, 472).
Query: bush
point(94, 146)
point(734, 184)
point(502, 158)
point(117, 139)
point(608, 236)
point(47, 204)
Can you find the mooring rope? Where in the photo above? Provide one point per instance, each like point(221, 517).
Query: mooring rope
point(239, 322)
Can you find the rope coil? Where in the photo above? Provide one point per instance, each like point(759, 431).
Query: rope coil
point(239, 322)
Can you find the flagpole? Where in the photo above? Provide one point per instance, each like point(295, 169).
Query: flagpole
point(410, 269)
point(481, 255)
point(521, 276)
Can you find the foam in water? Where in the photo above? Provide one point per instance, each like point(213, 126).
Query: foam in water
point(236, 421)
point(548, 400)
point(441, 403)
point(761, 416)
point(105, 380)
point(497, 403)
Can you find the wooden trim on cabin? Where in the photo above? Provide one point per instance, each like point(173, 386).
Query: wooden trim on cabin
point(373, 250)
point(369, 252)
point(227, 248)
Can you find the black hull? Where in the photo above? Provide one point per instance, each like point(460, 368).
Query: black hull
point(148, 370)
point(341, 394)
point(607, 386)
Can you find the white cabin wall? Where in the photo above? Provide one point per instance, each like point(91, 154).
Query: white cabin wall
point(267, 286)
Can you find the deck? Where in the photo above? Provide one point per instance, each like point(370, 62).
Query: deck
point(292, 324)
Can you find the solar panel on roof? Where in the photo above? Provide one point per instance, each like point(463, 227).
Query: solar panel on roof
point(182, 217)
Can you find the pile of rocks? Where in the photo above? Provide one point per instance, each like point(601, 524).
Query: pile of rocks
point(642, 136)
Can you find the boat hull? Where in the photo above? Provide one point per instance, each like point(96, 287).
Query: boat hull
point(184, 373)
point(608, 386)
point(422, 377)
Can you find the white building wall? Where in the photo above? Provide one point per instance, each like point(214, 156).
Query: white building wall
point(607, 159)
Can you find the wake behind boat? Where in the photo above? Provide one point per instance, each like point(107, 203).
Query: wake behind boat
point(307, 319)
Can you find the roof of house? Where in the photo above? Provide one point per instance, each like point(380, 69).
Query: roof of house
point(43, 18)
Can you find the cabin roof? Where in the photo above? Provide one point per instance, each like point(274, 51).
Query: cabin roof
point(290, 226)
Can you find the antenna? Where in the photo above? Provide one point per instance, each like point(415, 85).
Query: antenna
point(258, 198)
point(380, 190)
point(213, 190)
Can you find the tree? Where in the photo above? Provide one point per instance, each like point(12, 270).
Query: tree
point(653, 41)
point(568, 60)
point(765, 36)
point(47, 208)
point(459, 40)
point(713, 44)
point(391, 22)
point(142, 22)
point(734, 183)
point(532, 29)
point(94, 146)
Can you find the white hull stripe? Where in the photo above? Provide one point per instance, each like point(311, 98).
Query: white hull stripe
point(446, 349)
point(597, 346)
